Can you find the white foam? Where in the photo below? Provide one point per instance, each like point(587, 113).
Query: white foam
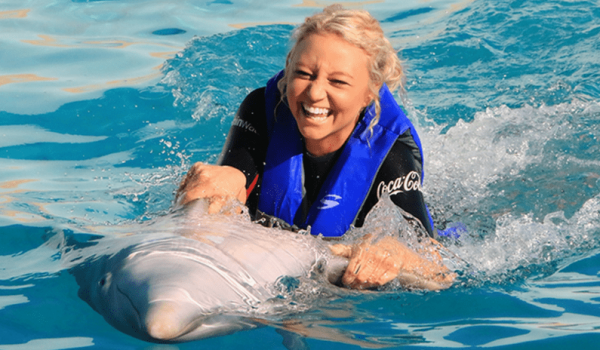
point(504, 174)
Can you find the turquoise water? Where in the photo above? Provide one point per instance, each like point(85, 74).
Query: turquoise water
point(105, 104)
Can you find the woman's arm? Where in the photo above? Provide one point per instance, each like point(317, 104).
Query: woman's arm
point(247, 141)
point(400, 177)
point(218, 184)
point(240, 161)
point(376, 262)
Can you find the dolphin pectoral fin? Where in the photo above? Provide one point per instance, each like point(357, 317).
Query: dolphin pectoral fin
point(292, 340)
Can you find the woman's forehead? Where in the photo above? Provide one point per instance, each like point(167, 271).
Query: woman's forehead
point(328, 48)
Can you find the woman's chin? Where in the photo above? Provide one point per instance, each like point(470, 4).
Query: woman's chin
point(314, 129)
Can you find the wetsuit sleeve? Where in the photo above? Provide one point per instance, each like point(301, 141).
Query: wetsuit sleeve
point(400, 176)
point(247, 141)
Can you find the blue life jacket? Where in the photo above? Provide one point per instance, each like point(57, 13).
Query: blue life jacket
point(349, 181)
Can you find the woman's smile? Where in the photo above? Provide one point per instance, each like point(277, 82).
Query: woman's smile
point(315, 114)
point(328, 87)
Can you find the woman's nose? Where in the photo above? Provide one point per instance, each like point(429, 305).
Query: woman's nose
point(316, 90)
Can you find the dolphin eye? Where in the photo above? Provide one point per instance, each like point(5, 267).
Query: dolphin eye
point(104, 280)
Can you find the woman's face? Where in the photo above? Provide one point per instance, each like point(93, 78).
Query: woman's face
point(327, 88)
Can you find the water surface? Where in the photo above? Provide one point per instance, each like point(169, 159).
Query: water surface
point(105, 104)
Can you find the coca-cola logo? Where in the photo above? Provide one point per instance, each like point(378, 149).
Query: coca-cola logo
point(410, 182)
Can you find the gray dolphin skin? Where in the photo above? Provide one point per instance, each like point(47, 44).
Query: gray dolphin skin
point(194, 275)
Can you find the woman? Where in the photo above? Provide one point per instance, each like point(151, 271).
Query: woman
point(321, 142)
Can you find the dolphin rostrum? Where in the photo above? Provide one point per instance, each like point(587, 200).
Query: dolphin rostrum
point(194, 276)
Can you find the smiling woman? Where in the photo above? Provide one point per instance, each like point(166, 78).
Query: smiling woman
point(309, 150)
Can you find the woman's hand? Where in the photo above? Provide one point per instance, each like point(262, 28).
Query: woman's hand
point(375, 264)
point(217, 183)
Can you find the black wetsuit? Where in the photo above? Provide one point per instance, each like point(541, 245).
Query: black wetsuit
point(246, 148)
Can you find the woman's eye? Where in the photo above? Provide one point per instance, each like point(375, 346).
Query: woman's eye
point(302, 73)
point(338, 82)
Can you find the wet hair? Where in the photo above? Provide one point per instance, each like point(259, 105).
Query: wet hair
point(360, 29)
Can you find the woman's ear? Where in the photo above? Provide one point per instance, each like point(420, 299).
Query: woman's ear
point(370, 96)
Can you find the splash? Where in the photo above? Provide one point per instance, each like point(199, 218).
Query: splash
point(196, 76)
point(525, 184)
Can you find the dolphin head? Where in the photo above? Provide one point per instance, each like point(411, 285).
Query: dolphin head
point(168, 295)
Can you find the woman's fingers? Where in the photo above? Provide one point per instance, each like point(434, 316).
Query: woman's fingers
point(371, 265)
point(354, 267)
point(217, 183)
point(385, 271)
point(376, 264)
point(361, 276)
point(343, 250)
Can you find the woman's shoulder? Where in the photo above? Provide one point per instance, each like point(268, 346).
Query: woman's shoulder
point(254, 101)
point(251, 113)
point(405, 153)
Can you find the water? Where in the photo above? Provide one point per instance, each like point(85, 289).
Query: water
point(105, 104)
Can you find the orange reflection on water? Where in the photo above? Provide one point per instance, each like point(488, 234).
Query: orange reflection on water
point(121, 44)
point(8, 196)
point(314, 3)
point(14, 14)
point(47, 40)
point(22, 217)
point(15, 183)
point(21, 78)
point(254, 24)
point(112, 44)
point(115, 83)
point(164, 55)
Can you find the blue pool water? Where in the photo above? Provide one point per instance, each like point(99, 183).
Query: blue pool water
point(105, 104)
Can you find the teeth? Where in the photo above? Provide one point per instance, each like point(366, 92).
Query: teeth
point(318, 119)
point(313, 110)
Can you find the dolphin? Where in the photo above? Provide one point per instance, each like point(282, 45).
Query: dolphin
point(193, 275)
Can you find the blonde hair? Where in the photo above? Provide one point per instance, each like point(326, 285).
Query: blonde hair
point(360, 29)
